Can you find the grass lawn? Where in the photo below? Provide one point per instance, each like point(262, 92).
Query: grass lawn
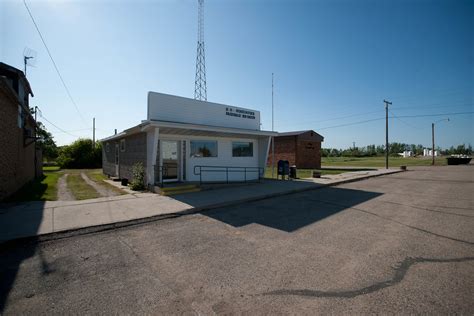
point(51, 168)
point(98, 177)
point(379, 162)
point(307, 173)
point(79, 188)
point(42, 189)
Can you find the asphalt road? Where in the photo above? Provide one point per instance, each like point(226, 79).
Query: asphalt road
point(402, 243)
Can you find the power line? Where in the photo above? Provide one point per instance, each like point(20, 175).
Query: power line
point(403, 121)
point(59, 128)
point(435, 105)
point(403, 116)
point(54, 63)
point(402, 108)
point(446, 92)
point(438, 114)
point(76, 130)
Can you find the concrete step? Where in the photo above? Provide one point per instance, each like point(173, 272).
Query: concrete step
point(179, 187)
point(179, 191)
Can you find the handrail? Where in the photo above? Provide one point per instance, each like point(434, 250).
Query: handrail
point(163, 171)
point(199, 170)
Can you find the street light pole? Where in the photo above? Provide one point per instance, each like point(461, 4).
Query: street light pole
point(433, 139)
point(387, 103)
point(433, 146)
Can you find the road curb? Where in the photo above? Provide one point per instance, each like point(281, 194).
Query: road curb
point(194, 210)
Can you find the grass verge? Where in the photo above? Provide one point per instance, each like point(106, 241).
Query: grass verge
point(79, 188)
point(51, 168)
point(379, 162)
point(45, 188)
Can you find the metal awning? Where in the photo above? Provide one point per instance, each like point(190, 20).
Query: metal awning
point(186, 129)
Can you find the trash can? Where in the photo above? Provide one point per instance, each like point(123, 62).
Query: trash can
point(283, 168)
point(124, 182)
point(293, 172)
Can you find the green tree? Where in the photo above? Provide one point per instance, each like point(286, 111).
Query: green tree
point(81, 154)
point(46, 143)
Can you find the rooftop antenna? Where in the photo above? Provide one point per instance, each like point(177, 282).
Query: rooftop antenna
point(200, 89)
point(29, 58)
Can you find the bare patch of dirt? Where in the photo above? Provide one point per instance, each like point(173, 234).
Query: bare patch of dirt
point(64, 194)
point(101, 189)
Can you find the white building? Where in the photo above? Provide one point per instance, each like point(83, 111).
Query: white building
point(406, 153)
point(186, 140)
point(429, 152)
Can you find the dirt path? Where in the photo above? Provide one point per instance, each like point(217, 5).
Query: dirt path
point(63, 191)
point(102, 190)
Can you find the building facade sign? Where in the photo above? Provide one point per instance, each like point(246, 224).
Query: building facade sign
point(164, 107)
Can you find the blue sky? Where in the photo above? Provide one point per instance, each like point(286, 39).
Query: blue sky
point(334, 63)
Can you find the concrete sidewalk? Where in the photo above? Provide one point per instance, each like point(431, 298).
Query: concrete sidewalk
point(48, 217)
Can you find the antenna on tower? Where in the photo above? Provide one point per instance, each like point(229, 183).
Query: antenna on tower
point(29, 58)
point(200, 89)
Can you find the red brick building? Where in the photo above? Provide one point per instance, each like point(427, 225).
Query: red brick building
point(300, 148)
point(17, 129)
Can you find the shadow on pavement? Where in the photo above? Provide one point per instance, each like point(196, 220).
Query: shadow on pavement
point(18, 220)
point(290, 213)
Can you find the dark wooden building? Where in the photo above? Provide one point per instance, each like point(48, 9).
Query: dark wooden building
point(300, 148)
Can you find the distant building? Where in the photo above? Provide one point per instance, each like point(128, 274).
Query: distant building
point(429, 152)
point(17, 143)
point(406, 153)
point(300, 148)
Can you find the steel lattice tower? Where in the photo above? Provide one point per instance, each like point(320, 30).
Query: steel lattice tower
point(200, 90)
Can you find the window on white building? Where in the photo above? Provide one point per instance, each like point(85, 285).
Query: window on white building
point(242, 149)
point(203, 148)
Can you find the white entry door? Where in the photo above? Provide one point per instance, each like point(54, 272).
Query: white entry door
point(170, 160)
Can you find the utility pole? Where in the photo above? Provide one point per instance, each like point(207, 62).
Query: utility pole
point(387, 103)
point(93, 132)
point(432, 142)
point(433, 139)
point(35, 135)
point(273, 137)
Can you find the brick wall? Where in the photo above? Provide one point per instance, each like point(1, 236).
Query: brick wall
point(16, 160)
point(285, 149)
point(308, 154)
point(303, 151)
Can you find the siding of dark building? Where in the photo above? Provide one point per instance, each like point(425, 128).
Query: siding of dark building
point(135, 151)
point(302, 150)
point(108, 158)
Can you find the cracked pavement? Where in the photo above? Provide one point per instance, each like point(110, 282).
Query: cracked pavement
point(402, 243)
